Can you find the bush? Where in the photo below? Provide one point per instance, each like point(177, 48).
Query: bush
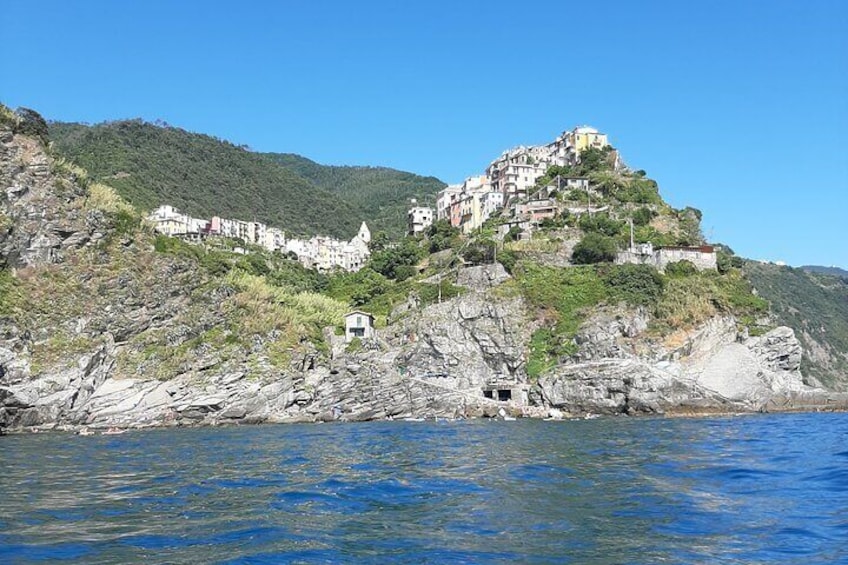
point(358, 288)
point(601, 223)
point(442, 235)
point(555, 223)
point(354, 345)
point(681, 269)
point(727, 261)
point(594, 160)
point(643, 191)
point(507, 258)
point(31, 123)
point(690, 226)
point(643, 216)
point(403, 272)
point(253, 264)
point(390, 262)
point(429, 293)
point(635, 284)
point(594, 248)
point(513, 234)
point(479, 253)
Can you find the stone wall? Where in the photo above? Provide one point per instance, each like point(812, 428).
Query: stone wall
point(660, 258)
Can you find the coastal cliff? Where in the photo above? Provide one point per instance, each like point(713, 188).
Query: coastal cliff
point(98, 328)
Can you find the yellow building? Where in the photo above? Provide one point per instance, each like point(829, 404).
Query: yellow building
point(583, 137)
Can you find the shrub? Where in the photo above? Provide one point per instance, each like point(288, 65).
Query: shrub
point(727, 261)
point(594, 160)
point(513, 234)
point(634, 284)
point(31, 123)
point(358, 288)
point(442, 235)
point(643, 216)
point(690, 226)
point(389, 261)
point(429, 293)
point(681, 269)
point(403, 272)
point(479, 253)
point(253, 264)
point(594, 248)
point(125, 222)
point(507, 258)
point(643, 191)
point(601, 223)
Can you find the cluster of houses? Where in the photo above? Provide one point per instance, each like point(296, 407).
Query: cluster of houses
point(508, 182)
point(509, 188)
point(319, 252)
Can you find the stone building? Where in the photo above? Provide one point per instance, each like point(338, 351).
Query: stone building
point(702, 257)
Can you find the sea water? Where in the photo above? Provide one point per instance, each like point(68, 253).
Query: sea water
point(752, 489)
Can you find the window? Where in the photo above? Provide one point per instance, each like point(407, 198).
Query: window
point(359, 321)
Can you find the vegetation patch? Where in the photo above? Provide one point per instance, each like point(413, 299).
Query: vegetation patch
point(562, 297)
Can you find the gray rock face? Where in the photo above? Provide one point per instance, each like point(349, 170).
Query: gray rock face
point(712, 368)
point(41, 216)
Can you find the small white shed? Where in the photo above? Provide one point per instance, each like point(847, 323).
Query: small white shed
point(358, 324)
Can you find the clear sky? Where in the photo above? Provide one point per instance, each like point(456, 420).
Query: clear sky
point(739, 108)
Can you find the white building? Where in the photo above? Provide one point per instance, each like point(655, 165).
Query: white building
point(326, 253)
point(168, 220)
point(445, 199)
point(274, 239)
point(358, 324)
point(256, 233)
point(418, 219)
point(514, 174)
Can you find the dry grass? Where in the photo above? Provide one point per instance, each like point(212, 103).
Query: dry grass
point(104, 198)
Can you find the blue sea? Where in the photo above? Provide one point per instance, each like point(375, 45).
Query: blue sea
point(751, 489)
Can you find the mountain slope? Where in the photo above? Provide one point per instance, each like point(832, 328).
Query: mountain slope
point(833, 271)
point(816, 307)
point(380, 192)
point(203, 176)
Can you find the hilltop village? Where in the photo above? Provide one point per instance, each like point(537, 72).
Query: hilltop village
point(522, 188)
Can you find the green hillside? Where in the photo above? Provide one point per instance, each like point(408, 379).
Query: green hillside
point(151, 165)
point(204, 176)
point(816, 307)
point(381, 193)
point(833, 271)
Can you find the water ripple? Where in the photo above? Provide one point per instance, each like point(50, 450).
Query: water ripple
point(760, 489)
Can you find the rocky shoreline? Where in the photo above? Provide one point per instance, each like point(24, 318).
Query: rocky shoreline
point(440, 361)
point(805, 403)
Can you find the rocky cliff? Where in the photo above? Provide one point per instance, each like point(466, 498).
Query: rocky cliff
point(97, 329)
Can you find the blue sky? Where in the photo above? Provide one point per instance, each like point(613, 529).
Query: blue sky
point(739, 108)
